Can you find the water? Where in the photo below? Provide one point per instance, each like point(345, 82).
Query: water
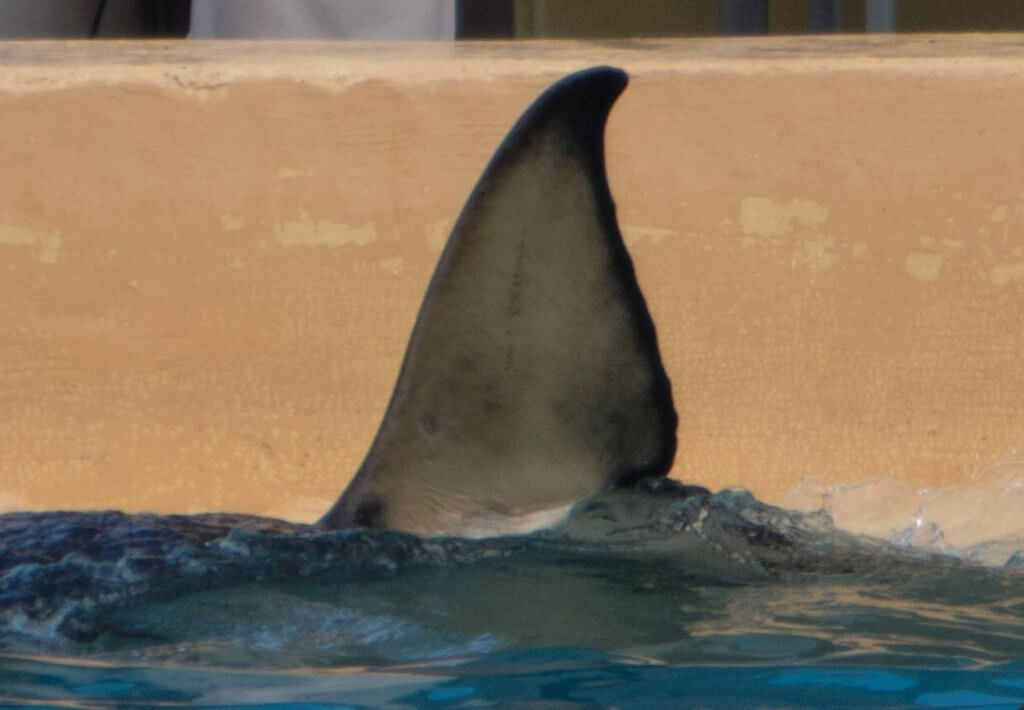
point(659, 596)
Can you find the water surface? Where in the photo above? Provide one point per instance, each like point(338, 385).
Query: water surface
point(658, 595)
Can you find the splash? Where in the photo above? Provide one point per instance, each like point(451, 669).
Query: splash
point(979, 521)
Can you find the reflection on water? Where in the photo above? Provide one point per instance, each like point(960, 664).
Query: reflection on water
point(541, 678)
point(661, 585)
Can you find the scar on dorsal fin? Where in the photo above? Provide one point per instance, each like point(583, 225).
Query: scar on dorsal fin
point(532, 377)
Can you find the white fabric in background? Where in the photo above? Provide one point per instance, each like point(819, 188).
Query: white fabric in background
point(323, 19)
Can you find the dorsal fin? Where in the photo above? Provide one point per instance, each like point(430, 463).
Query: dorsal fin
point(532, 377)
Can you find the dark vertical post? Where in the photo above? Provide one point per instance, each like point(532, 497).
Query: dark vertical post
point(824, 15)
point(743, 17)
point(485, 19)
point(880, 15)
point(165, 18)
point(97, 17)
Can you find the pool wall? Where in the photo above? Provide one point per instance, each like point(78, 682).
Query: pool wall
point(212, 253)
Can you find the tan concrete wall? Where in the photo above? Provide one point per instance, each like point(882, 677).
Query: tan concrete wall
point(211, 254)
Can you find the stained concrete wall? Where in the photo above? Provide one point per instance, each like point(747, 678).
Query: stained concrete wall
point(211, 255)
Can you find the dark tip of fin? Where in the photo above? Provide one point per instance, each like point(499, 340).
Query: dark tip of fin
point(581, 100)
point(532, 377)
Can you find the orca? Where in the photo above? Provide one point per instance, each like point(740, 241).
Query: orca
point(532, 377)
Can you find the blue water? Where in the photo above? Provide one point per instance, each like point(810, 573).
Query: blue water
point(529, 678)
point(657, 597)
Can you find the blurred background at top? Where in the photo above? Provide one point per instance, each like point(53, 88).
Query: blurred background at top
point(493, 19)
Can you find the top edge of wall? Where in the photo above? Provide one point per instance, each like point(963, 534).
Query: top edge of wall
point(47, 65)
